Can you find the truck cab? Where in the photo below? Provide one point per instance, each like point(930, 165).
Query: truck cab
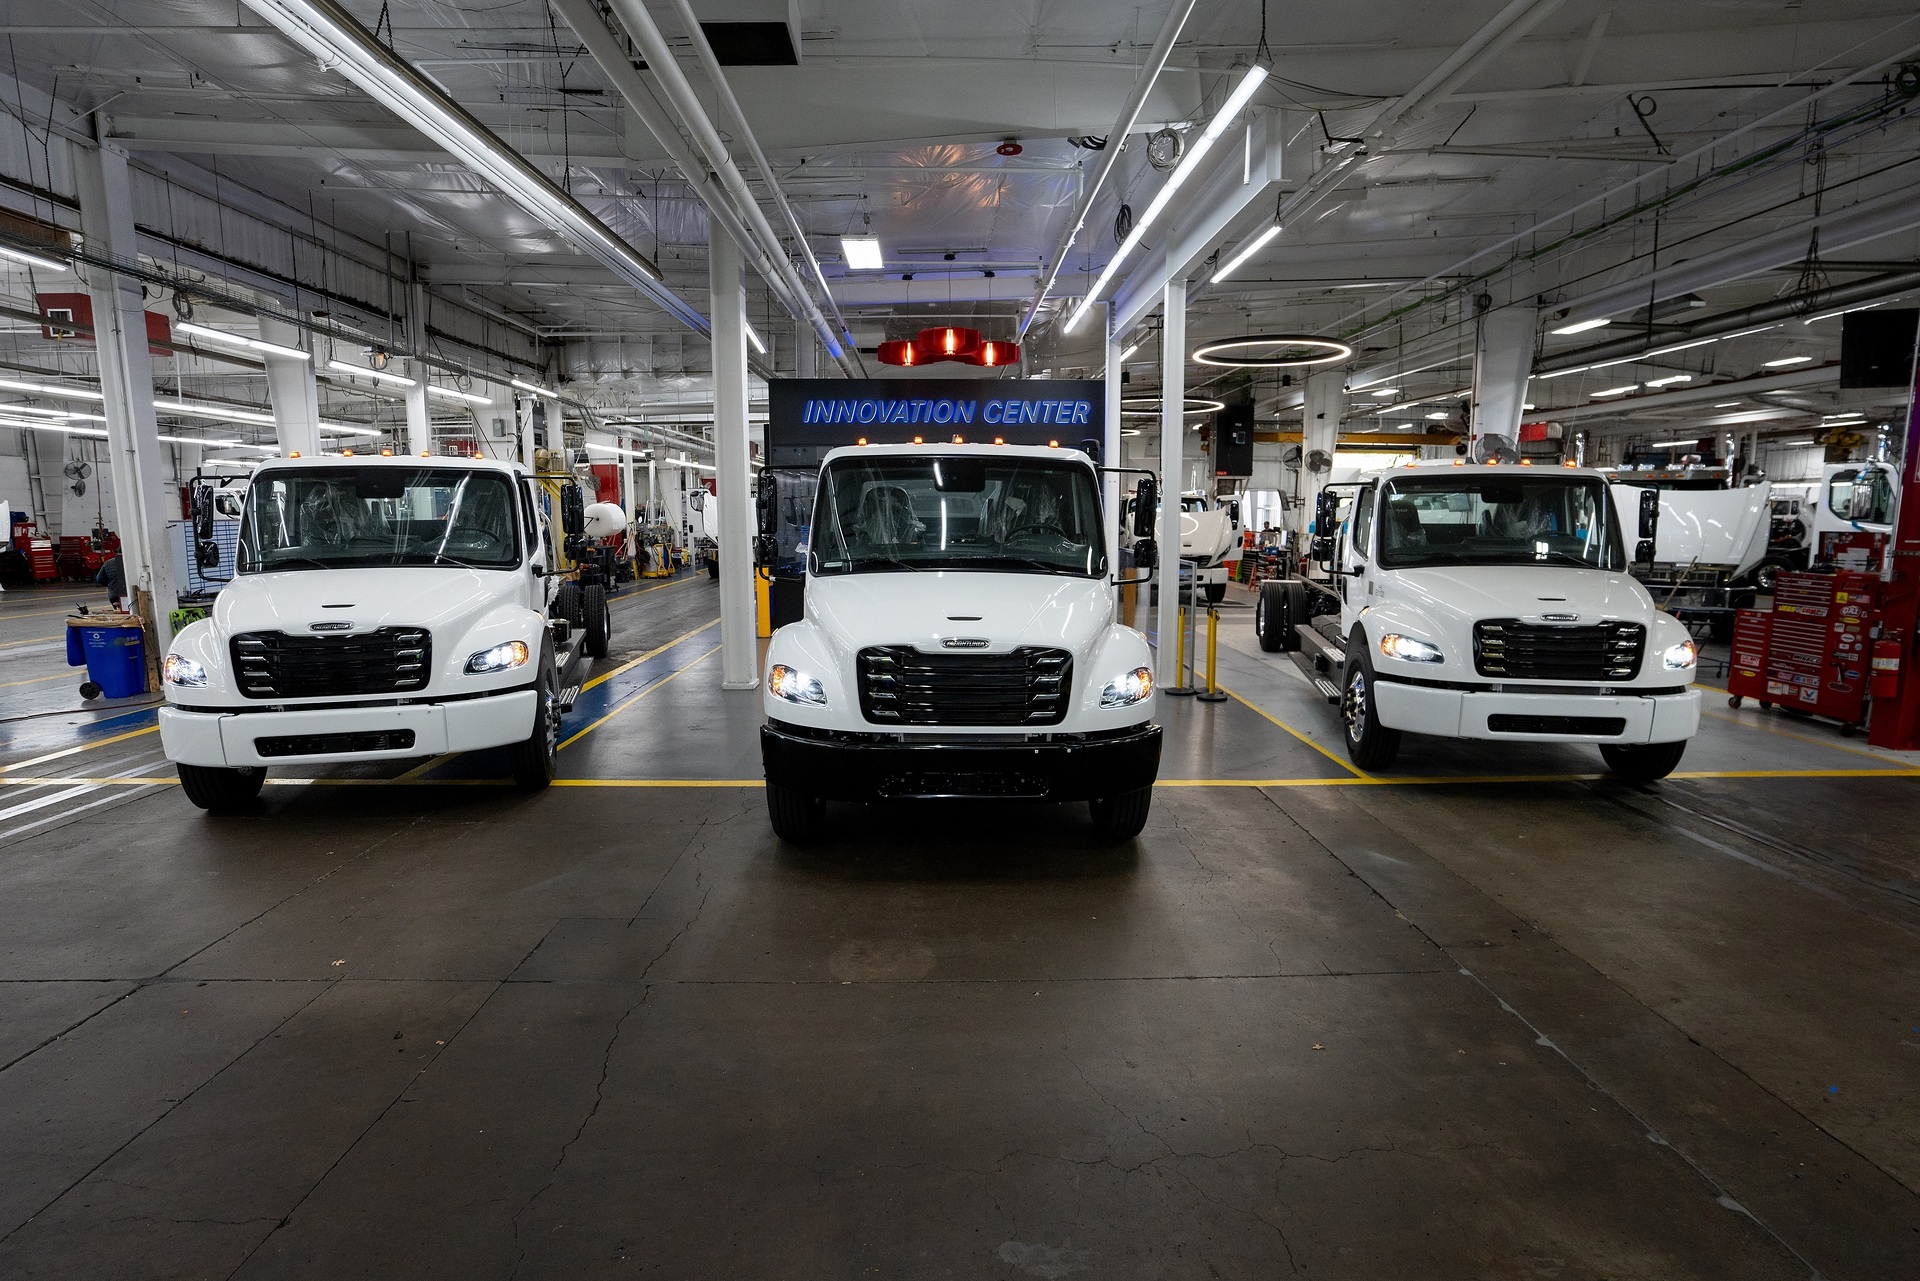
point(1489, 602)
point(959, 639)
point(381, 608)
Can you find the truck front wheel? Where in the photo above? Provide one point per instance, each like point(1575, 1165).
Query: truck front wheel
point(535, 759)
point(1120, 818)
point(221, 791)
point(1273, 618)
point(1643, 762)
point(1370, 744)
point(795, 815)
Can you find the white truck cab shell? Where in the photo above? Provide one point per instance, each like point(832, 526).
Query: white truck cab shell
point(330, 654)
point(1545, 651)
point(890, 663)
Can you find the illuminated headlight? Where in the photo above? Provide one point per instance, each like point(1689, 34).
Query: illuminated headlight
point(184, 671)
point(1125, 691)
point(795, 686)
point(500, 658)
point(1409, 650)
point(1680, 657)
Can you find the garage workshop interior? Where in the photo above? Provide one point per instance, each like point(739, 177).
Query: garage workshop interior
point(817, 639)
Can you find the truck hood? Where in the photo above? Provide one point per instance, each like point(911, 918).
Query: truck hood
point(1466, 594)
point(927, 608)
point(443, 598)
point(1705, 526)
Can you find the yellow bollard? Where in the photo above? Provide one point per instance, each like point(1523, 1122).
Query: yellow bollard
point(1212, 693)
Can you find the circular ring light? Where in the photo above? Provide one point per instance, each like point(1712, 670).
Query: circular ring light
point(1149, 406)
point(1272, 351)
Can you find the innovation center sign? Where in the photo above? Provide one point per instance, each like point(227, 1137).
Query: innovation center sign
point(806, 417)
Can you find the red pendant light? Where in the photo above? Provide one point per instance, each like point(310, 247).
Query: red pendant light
point(899, 352)
point(992, 354)
point(945, 342)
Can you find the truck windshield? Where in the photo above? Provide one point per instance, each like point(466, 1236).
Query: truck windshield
point(957, 511)
point(1497, 520)
point(378, 515)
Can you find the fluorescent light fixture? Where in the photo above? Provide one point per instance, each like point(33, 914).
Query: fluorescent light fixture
point(378, 375)
point(1843, 418)
point(1784, 361)
point(193, 409)
point(538, 391)
point(34, 425)
point(37, 412)
point(1525, 408)
point(1582, 326)
point(54, 390)
point(1670, 378)
point(342, 429)
point(1617, 391)
point(1189, 164)
point(1438, 416)
point(1383, 392)
point(1675, 444)
point(1129, 351)
point(1729, 404)
point(754, 338)
point(862, 253)
point(1844, 311)
point(452, 393)
point(189, 440)
point(238, 340)
point(32, 260)
point(623, 453)
point(1251, 248)
point(1667, 350)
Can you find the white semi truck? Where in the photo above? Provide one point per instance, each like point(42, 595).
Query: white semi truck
point(382, 608)
point(1489, 602)
point(959, 639)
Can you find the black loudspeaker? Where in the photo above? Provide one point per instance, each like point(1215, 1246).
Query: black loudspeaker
point(1876, 347)
point(1233, 441)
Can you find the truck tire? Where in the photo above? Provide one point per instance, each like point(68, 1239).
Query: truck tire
point(566, 604)
point(1643, 762)
point(1273, 618)
point(535, 758)
point(221, 791)
point(1370, 745)
point(1120, 818)
point(796, 816)
point(713, 567)
point(597, 623)
point(1764, 574)
point(1216, 592)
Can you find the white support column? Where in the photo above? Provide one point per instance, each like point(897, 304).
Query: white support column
point(292, 391)
point(142, 501)
point(1502, 359)
point(739, 648)
point(1110, 450)
point(1324, 401)
point(523, 410)
point(1173, 444)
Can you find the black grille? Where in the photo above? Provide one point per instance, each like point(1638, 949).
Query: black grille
point(1513, 650)
point(1588, 726)
point(384, 740)
point(902, 686)
point(392, 660)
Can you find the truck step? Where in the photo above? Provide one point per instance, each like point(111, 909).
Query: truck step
point(568, 697)
point(1328, 688)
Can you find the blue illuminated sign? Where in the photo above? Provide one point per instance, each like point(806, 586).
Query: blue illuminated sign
point(807, 417)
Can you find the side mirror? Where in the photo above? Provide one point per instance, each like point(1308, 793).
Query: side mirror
point(1233, 513)
point(573, 511)
point(1146, 554)
point(1326, 514)
point(1321, 549)
point(1146, 506)
point(697, 499)
point(206, 552)
point(1643, 552)
point(1649, 513)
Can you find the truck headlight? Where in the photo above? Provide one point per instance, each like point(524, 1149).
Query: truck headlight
point(1409, 650)
point(184, 671)
point(795, 686)
point(1128, 689)
point(1680, 657)
point(500, 658)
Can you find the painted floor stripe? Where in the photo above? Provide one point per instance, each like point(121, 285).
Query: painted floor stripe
point(632, 663)
point(629, 702)
point(1343, 764)
point(84, 747)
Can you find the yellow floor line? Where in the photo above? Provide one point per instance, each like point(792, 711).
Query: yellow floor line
point(1343, 764)
point(6, 616)
point(652, 653)
point(659, 782)
point(1802, 738)
point(38, 679)
point(637, 697)
point(31, 640)
point(84, 747)
point(678, 582)
point(432, 763)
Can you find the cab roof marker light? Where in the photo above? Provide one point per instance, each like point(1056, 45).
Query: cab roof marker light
point(378, 375)
point(1236, 101)
point(239, 340)
point(32, 260)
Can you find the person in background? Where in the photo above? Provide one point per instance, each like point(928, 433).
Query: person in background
point(113, 577)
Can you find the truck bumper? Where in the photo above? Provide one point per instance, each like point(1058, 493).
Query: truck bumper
point(1538, 718)
point(323, 735)
point(843, 769)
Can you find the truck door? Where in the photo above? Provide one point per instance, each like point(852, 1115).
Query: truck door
point(533, 526)
point(1352, 552)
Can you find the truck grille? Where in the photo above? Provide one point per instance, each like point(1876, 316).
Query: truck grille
point(1512, 650)
point(392, 660)
point(901, 686)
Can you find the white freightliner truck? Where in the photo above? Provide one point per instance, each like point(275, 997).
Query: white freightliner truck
point(959, 639)
point(1489, 602)
point(381, 608)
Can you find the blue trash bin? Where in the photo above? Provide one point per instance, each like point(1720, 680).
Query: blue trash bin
point(115, 657)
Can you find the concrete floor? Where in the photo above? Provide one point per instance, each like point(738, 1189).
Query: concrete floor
point(1490, 1015)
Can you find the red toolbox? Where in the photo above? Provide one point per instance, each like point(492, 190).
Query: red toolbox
point(1813, 650)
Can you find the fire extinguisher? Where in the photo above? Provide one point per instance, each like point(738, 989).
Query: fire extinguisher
point(1886, 665)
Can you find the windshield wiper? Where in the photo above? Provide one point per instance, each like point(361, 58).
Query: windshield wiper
point(268, 566)
point(887, 562)
point(1568, 557)
point(1036, 566)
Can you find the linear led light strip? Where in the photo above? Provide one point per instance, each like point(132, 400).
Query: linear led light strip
point(401, 380)
point(239, 340)
point(32, 260)
point(1657, 351)
point(1237, 100)
point(1252, 247)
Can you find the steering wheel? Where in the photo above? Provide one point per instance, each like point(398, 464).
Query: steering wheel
point(1052, 530)
point(481, 542)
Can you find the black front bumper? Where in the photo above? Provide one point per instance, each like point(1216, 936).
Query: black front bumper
point(844, 767)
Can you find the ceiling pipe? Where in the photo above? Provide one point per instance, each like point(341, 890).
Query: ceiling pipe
point(1116, 139)
point(680, 96)
point(743, 134)
point(1798, 307)
point(337, 39)
point(1658, 401)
